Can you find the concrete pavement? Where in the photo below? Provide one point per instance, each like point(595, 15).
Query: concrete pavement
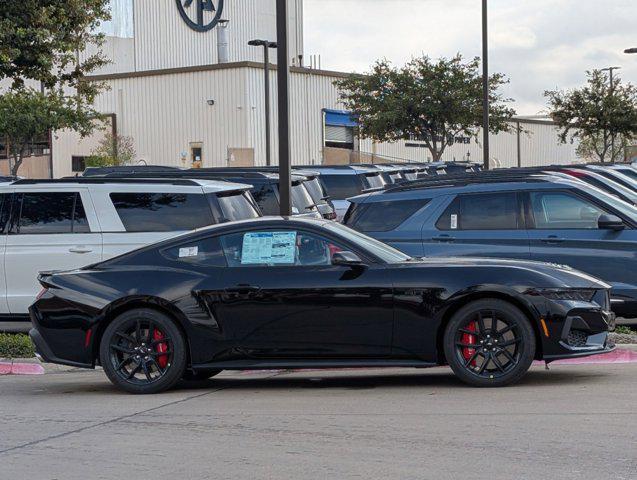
point(572, 422)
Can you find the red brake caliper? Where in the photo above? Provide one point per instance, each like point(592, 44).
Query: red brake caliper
point(162, 360)
point(467, 352)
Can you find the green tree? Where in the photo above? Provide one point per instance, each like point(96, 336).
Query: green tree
point(113, 150)
point(27, 114)
point(40, 44)
point(40, 40)
point(599, 115)
point(431, 101)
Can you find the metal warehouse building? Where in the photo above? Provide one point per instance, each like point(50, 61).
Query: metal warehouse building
point(190, 91)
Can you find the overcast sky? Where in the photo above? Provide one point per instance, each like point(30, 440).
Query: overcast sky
point(539, 44)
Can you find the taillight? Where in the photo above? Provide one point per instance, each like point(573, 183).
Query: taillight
point(41, 294)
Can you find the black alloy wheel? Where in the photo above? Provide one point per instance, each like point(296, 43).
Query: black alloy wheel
point(143, 351)
point(489, 343)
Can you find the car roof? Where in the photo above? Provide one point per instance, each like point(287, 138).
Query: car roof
point(344, 169)
point(469, 183)
point(209, 186)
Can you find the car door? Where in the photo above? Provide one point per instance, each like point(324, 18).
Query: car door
point(563, 228)
point(482, 225)
point(281, 297)
point(50, 230)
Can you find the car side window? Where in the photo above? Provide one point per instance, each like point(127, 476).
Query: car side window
point(206, 252)
point(283, 248)
point(50, 213)
point(560, 210)
point(485, 211)
point(382, 216)
point(162, 212)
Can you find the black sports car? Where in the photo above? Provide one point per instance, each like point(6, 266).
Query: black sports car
point(297, 293)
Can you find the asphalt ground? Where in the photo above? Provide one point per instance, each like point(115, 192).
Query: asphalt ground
point(572, 422)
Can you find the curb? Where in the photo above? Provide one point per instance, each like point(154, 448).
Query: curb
point(21, 368)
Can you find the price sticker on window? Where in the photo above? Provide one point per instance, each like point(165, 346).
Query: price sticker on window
point(270, 248)
point(188, 252)
point(454, 222)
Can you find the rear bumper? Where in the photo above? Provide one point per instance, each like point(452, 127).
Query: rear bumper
point(46, 355)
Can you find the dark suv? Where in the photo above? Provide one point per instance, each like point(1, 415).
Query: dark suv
point(541, 217)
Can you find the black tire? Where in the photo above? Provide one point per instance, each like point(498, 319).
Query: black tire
point(496, 359)
point(200, 375)
point(142, 351)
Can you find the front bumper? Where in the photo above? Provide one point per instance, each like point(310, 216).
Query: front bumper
point(576, 329)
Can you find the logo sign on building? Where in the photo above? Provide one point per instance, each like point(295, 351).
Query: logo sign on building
point(200, 15)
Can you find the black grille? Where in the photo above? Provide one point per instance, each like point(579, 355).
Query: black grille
point(577, 338)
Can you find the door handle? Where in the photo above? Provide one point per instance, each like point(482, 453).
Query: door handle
point(444, 238)
point(243, 289)
point(80, 250)
point(552, 239)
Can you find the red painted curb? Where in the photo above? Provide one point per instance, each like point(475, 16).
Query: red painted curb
point(21, 369)
point(617, 356)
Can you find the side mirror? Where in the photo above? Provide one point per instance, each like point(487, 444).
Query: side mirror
point(610, 222)
point(347, 259)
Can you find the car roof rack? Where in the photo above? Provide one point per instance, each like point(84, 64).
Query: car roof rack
point(99, 171)
point(464, 179)
point(106, 180)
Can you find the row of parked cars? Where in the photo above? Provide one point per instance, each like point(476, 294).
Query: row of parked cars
point(245, 289)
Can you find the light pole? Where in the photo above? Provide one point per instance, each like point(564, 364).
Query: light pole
point(610, 71)
point(485, 85)
point(283, 86)
point(266, 61)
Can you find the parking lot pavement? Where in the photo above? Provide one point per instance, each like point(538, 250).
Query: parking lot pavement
point(572, 422)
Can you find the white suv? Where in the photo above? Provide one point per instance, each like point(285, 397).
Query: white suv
point(65, 224)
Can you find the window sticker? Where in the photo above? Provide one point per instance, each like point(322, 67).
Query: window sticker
point(188, 252)
point(274, 248)
point(454, 222)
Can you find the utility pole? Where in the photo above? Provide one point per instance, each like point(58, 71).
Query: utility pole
point(610, 71)
point(266, 59)
point(283, 79)
point(485, 85)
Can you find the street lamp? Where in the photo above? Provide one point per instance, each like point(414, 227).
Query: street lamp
point(485, 85)
point(283, 87)
point(630, 50)
point(267, 45)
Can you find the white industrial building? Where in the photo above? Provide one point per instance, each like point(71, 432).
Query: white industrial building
point(183, 96)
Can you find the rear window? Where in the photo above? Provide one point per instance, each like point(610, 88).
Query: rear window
point(301, 199)
point(162, 212)
point(266, 198)
point(382, 216)
point(237, 206)
point(491, 211)
point(51, 213)
point(374, 180)
point(340, 187)
point(315, 189)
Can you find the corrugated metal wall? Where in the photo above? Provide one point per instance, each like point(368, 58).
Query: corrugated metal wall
point(163, 40)
point(165, 113)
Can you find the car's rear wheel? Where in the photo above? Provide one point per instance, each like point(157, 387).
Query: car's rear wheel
point(142, 351)
point(200, 375)
point(489, 343)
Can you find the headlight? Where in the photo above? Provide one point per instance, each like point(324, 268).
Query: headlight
point(575, 294)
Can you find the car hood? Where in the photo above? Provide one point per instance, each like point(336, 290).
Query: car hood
point(563, 274)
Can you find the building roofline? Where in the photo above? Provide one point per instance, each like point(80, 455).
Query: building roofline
point(210, 67)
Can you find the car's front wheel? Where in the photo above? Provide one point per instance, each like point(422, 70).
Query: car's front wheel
point(142, 351)
point(489, 343)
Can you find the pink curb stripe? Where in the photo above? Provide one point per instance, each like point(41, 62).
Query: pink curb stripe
point(617, 356)
point(21, 369)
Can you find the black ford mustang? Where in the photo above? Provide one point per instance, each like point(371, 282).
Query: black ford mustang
point(296, 293)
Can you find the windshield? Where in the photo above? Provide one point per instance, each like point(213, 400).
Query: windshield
point(374, 180)
point(315, 189)
point(237, 206)
point(301, 199)
point(377, 248)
